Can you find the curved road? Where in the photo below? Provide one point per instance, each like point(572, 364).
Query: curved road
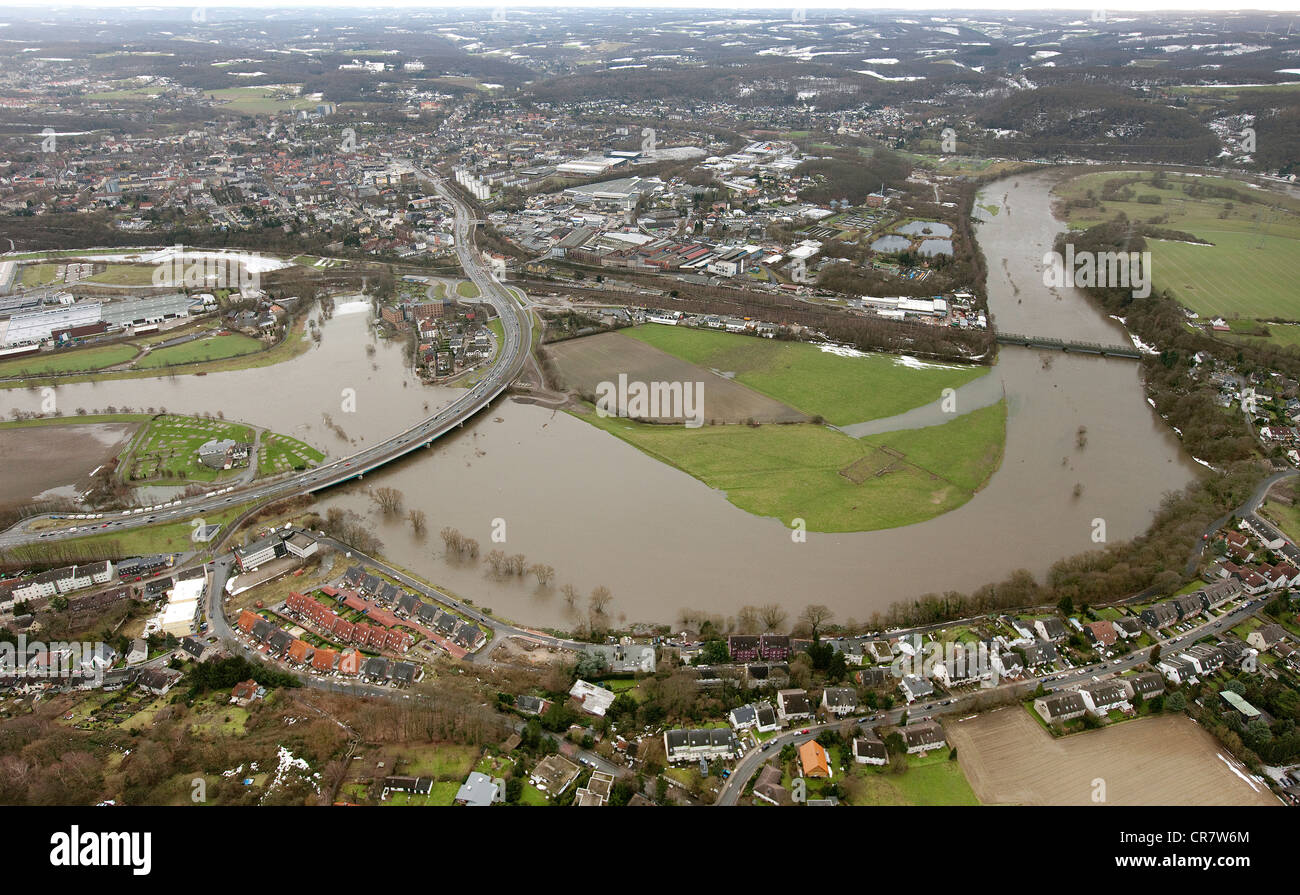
point(515, 347)
point(1250, 506)
point(960, 705)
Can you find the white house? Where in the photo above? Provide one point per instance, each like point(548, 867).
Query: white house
point(1103, 696)
point(793, 705)
point(840, 700)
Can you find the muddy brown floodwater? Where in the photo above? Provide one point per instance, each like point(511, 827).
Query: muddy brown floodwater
point(292, 398)
point(603, 513)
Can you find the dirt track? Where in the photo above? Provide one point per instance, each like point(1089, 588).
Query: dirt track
point(1165, 760)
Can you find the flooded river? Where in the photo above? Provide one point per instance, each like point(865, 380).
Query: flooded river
point(602, 513)
point(368, 396)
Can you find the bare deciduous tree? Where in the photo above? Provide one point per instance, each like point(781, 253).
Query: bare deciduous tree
point(814, 616)
point(418, 520)
point(773, 616)
point(570, 596)
point(389, 500)
point(543, 573)
point(747, 620)
point(599, 599)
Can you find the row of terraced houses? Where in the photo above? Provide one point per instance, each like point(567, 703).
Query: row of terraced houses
point(405, 605)
point(344, 631)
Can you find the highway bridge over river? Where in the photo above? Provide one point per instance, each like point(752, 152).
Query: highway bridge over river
point(511, 357)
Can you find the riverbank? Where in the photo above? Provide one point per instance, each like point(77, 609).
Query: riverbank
point(603, 513)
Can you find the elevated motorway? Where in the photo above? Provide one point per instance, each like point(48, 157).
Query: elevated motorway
point(512, 355)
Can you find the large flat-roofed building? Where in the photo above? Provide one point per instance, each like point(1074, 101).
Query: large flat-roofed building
point(590, 166)
point(622, 193)
point(150, 309)
point(39, 326)
point(300, 544)
point(182, 609)
point(262, 550)
point(23, 301)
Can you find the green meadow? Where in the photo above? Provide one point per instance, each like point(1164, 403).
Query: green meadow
point(842, 390)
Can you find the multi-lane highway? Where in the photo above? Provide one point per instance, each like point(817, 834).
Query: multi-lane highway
point(511, 358)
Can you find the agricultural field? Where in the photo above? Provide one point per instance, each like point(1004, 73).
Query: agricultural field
point(125, 275)
point(167, 449)
point(67, 360)
point(842, 390)
point(585, 362)
point(832, 481)
point(38, 460)
point(127, 93)
point(121, 710)
point(259, 100)
point(34, 275)
point(217, 347)
point(1161, 760)
point(220, 353)
point(1246, 271)
point(1260, 332)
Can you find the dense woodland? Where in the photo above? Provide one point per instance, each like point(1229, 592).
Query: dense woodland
point(1097, 123)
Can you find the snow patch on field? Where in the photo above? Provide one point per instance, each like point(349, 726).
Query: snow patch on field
point(1232, 767)
point(913, 364)
point(842, 351)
